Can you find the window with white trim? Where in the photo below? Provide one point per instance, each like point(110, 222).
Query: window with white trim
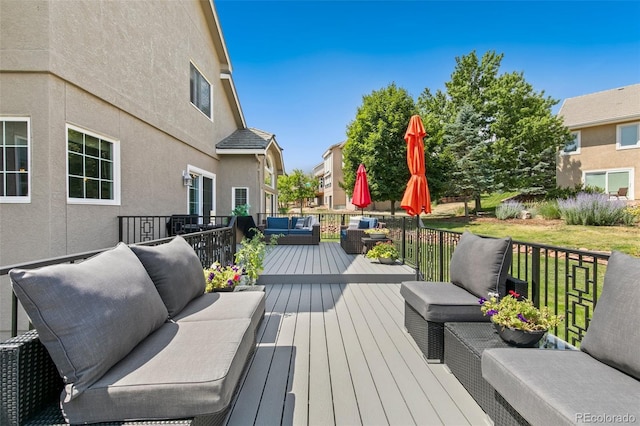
point(609, 180)
point(200, 92)
point(572, 147)
point(93, 168)
point(202, 193)
point(628, 136)
point(240, 196)
point(15, 152)
point(269, 177)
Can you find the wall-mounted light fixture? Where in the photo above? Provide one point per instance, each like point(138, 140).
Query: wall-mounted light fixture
point(186, 178)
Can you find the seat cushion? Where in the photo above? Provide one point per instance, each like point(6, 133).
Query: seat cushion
point(223, 306)
point(91, 314)
point(613, 336)
point(301, 231)
point(181, 370)
point(277, 223)
point(556, 387)
point(276, 231)
point(176, 271)
point(442, 302)
point(480, 265)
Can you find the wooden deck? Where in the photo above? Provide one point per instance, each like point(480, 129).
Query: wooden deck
point(327, 263)
point(337, 353)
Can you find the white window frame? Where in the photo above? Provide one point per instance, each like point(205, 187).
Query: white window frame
point(197, 174)
point(201, 74)
point(116, 168)
point(269, 171)
point(578, 136)
point(630, 170)
point(619, 136)
point(19, 199)
point(233, 195)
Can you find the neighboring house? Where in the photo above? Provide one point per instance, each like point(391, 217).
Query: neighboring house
point(605, 151)
point(111, 108)
point(334, 196)
point(318, 173)
point(251, 161)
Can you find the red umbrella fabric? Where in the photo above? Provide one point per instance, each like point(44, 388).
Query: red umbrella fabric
point(416, 197)
point(361, 197)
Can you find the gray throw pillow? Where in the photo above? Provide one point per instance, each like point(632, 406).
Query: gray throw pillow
point(176, 271)
point(613, 336)
point(480, 265)
point(90, 315)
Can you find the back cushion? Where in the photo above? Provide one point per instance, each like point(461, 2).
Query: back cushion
point(90, 315)
point(176, 271)
point(613, 336)
point(278, 223)
point(354, 221)
point(480, 265)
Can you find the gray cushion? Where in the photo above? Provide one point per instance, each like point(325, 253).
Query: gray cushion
point(182, 370)
point(613, 336)
point(175, 270)
point(554, 387)
point(223, 306)
point(480, 265)
point(442, 302)
point(91, 314)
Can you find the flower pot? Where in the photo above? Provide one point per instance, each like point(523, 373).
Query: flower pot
point(223, 289)
point(377, 236)
point(519, 338)
point(386, 260)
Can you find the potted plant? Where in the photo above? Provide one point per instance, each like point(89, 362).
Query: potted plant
point(385, 252)
point(377, 233)
point(251, 254)
point(517, 321)
point(222, 278)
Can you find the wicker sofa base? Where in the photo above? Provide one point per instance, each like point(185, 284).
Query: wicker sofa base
point(312, 238)
point(30, 388)
point(464, 360)
point(428, 335)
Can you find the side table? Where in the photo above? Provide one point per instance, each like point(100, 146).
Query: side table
point(464, 343)
point(368, 243)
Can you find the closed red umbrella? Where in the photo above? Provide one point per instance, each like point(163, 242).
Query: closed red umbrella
point(416, 197)
point(361, 197)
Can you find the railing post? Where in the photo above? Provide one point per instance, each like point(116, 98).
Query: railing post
point(440, 256)
point(120, 219)
point(417, 247)
point(404, 240)
point(535, 276)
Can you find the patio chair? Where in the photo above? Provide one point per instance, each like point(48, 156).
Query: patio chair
point(620, 193)
point(351, 235)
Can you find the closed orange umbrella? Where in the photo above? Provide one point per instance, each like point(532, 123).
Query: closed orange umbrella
point(361, 196)
point(416, 197)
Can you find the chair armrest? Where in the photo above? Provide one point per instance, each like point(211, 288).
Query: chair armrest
point(519, 286)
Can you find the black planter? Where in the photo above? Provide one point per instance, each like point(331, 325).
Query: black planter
point(245, 225)
point(519, 338)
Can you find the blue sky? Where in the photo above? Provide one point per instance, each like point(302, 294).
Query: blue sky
point(301, 68)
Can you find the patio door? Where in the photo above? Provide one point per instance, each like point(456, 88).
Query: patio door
point(610, 180)
point(202, 196)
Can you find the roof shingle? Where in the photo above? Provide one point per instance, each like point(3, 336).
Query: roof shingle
point(614, 105)
point(249, 138)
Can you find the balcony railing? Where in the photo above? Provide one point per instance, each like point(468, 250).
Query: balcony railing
point(136, 229)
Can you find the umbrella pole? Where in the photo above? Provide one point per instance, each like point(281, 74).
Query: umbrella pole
point(418, 247)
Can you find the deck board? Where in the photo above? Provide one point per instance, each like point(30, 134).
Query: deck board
point(337, 353)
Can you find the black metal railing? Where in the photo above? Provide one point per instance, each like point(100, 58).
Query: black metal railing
point(567, 281)
point(211, 245)
point(136, 229)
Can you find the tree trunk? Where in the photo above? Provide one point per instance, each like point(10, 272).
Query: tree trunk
point(478, 201)
point(466, 208)
point(393, 207)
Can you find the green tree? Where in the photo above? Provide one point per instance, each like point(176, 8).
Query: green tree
point(519, 129)
point(376, 139)
point(296, 186)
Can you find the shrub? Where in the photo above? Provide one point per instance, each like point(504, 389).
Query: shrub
point(591, 209)
point(631, 215)
point(509, 210)
point(549, 210)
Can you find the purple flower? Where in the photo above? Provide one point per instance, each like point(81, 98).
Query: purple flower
point(522, 318)
point(230, 283)
point(491, 312)
point(482, 300)
point(211, 275)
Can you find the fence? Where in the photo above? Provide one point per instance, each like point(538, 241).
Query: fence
point(136, 229)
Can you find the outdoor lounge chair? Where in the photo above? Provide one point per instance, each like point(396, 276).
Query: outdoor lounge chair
point(479, 267)
point(351, 235)
point(620, 193)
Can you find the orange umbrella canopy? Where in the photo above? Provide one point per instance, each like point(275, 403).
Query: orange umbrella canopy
point(361, 197)
point(416, 197)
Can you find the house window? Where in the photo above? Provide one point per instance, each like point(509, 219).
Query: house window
point(572, 147)
point(93, 168)
point(269, 179)
point(609, 180)
point(240, 196)
point(628, 136)
point(200, 92)
point(201, 198)
point(15, 176)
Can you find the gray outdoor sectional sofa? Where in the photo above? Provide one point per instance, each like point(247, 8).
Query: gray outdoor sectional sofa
point(292, 231)
point(133, 335)
point(598, 384)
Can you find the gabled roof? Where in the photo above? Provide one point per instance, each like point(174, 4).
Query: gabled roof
point(609, 106)
point(246, 141)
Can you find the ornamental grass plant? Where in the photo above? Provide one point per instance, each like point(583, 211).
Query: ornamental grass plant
point(509, 210)
point(592, 209)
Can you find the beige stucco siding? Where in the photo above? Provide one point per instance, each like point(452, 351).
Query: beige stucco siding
point(236, 171)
